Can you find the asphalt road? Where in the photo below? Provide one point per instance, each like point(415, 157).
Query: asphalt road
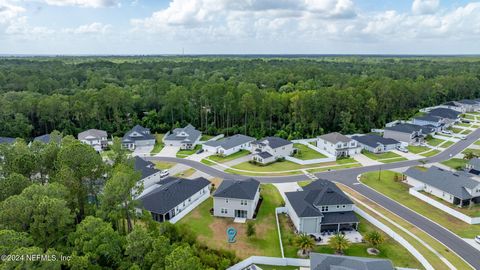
point(349, 178)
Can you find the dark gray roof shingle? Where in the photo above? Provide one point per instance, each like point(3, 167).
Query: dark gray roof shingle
point(143, 134)
point(409, 128)
point(339, 217)
point(146, 168)
point(444, 113)
point(273, 142)
point(192, 134)
point(92, 133)
point(374, 140)
point(7, 140)
point(320, 261)
point(429, 118)
point(264, 155)
point(238, 189)
point(230, 142)
point(335, 137)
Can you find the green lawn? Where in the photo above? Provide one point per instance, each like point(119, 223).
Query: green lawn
point(206, 137)
point(211, 230)
point(186, 153)
point(417, 149)
point(222, 159)
point(466, 131)
point(305, 153)
point(477, 142)
point(158, 144)
point(470, 117)
point(161, 165)
point(186, 173)
point(286, 165)
point(456, 130)
point(345, 160)
point(475, 151)
point(398, 191)
point(332, 168)
point(447, 144)
point(434, 141)
point(393, 160)
point(463, 124)
point(430, 153)
point(390, 249)
point(381, 155)
point(455, 163)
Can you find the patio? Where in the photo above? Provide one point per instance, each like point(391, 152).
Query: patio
point(352, 236)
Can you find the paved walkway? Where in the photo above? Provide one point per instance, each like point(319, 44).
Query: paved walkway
point(365, 161)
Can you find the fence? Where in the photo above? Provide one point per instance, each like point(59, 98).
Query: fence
point(444, 208)
point(270, 261)
point(306, 142)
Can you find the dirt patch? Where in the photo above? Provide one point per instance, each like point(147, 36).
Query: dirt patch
point(216, 181)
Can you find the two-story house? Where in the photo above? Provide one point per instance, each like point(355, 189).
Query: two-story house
point(137, 137)
point(408, 133)
point(320, 206)
point(459, 188)
point(236, 198)
point(95, 138)
point(338, 145)
point(269, 149)
point(435, 122)
point(185, 138)
point(229, 145)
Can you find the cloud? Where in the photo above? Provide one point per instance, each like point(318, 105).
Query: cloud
point(83, 3)
point(9, 11)
point(93, 28)
point(421, 7)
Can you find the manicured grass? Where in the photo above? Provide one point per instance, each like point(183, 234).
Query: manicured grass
point(207, 162)
point(472, 211)
point(463, 124)
point(206, 137)
point(398, 191)
point(222, 159)
point(162, 165)
point(380, 155)
point(186, 173)
point(475, 126)
point(158, 144)
point(456, 130)
point(417, 149)
point(475, 151)
point(286, 165)
point(434, 141)
point(447, 144)
point(392, 160)
point(466, 132)
point(314, 143)
point(470, 117)
point(211, 230)
point(305, 153)
point(345, 160)
point(186, 153)
point(430, 153)
point(455, 163)
point(332, 168)
point(477, 142)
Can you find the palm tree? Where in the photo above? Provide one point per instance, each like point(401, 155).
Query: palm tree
point(339, 243)
point(469, 155)
point(374, 238)
point(305, 243)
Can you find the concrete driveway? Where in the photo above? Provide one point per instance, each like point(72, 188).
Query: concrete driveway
point(142, 151)
point(409, 155)
point(287, 187)
point(198, 157)
point(168, 151)
point(365, 161)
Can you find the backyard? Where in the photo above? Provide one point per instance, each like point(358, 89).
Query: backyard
point(305, 153)
point(398, 191)
point(472, 211)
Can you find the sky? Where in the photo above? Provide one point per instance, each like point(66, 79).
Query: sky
point(141, 27)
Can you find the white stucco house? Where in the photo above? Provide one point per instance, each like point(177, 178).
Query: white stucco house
point(95, 138)
point(137, 137)
point(229, 145)
point(320, 206)
point(338, 145)
point(270, 149)
point(185, 138)
point(236, 198)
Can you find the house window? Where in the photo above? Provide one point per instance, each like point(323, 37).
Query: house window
point(325, 208)
point(183, 203)
point(338, 206)
point(224, 211)
point(243, 202)
point(344, 206)
point(226, 200)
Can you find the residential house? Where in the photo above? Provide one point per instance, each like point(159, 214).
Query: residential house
point(459, 188)
point(185, 138)
point(452, 105)
point(7, 140)
point(473, 166)
point(173, 198)
point(469, 105)
point(436, 122)
point(47, 138)
point(236, 198)
point(229, 145)
point(320, 261)
point(320, 206)
point(137, 137)
point(147, 169)
point(338, 145)
point(270, 149)
point(408, 133)
point(376, 144)
point(450, 116)
point(95, 138)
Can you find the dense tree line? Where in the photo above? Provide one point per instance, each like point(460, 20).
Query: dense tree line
point(290, 97)
point(62, 199)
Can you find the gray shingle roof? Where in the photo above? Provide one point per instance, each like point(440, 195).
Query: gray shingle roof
point(318, 193)
point(7, 140)
point(335, 137)
point(475, 163)
point(429, 118)
point(273, 142)
point(409, 128)
point(374, 140)
point(238, 189)
point(320, 261)
point(144, 134)
point(92, 134)
point(444, 113)
point(451, 182)
point(230, 142)
point(146, 168)
point(264, 155)
point(339, 217)
point(468, 102)
point(191, 134)
point(42, 138)
point(165, 197)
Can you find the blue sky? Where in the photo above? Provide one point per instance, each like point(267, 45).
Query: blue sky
point(239, 27)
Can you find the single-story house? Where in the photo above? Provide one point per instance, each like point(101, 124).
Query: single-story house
point(236, 198)
point(269, 149)
point(320, 206)
point(173, 196)
point(138, 136)
point(376, 144)
point(469, 105)
point(458, 188)
point(95, 138)
point(185, 138)
point(407, 133)
point(229, 145)
point(147, 169)
point(7, 140)
point(338, 145)
point(320, 261)
point(451, 115)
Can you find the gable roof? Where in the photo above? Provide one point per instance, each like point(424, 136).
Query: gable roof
point(451, 103)
point(146, 168)
point(475, 163)
point(238, 189)
point(92, 134)
point(410, 128)
point(46, 138)
point(444, 113)
point(230, 142)
point(429, 118)
point(273, 142)
point(468, 102)
point(451, 182)
point(335, 137)
point(167, 196)
point(144, 134)
point(264, 154)
point(374, 140)
point(319, 261)
point(7, 140)
point(192, 134)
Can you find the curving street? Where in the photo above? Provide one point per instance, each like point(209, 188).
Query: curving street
point(349, 178)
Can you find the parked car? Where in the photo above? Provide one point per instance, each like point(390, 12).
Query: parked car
point(402, 149)
point(466, 121)
point(200, 151)
point(446, 132)
point(164, 173)
point(477, 239)
point(463, 137)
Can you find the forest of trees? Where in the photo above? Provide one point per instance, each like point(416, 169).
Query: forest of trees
point(289, 97)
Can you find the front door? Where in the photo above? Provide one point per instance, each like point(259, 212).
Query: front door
point(241, 213)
